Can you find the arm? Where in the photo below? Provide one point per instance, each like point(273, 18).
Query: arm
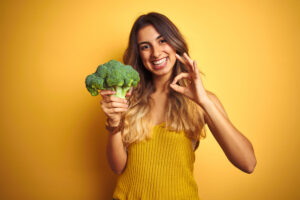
point(235, 145)
point(116, 153)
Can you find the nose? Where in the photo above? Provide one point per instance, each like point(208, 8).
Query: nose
point(156, 51)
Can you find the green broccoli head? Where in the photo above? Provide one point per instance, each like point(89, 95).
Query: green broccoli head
point(112, 75)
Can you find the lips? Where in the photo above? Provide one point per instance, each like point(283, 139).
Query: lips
point(158, 64)
point(160, 61)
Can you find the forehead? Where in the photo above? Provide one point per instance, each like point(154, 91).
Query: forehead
point(147, 33)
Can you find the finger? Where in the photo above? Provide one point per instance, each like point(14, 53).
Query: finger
point(117, 105)
point(180, 58)
point(178, 88)
point(107, 92)
point(116, 110)
point(185, 62)
point(196, 70)
point(110, 111)
point(129, 92)
point(189, 60)
point(180, 76)
point(115, 99)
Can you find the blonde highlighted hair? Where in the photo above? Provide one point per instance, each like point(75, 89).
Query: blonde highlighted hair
point(182, 113)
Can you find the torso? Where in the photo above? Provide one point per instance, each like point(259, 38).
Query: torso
point(159, 109)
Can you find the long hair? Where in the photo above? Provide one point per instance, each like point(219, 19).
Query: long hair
point(182, 113)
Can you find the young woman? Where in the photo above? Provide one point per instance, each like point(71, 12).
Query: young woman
point(154, 133)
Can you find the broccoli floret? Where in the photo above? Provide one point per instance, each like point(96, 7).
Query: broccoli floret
point(112, 75)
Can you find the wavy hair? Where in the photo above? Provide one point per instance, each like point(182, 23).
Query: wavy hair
point(182, 113)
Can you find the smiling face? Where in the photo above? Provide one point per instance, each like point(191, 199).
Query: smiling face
point(156, 54)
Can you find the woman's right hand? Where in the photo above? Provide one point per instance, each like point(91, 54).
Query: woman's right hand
point(113, 106)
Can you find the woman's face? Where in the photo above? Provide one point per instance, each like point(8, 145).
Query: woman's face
point(156, 54)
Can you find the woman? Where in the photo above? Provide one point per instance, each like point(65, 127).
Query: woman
point(154, 133)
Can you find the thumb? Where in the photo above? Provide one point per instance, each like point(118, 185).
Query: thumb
point(177, 88)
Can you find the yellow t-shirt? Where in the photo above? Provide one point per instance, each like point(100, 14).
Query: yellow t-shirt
point(159, 169)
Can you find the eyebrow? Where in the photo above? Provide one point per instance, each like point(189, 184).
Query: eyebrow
point(148, 42)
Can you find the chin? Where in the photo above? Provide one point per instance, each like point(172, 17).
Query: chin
point(161, 72)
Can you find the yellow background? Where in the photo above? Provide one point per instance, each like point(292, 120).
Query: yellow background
point(52, 141)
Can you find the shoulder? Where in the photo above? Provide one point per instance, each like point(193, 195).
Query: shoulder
point(210, 93)
point(216, 101)
point(213, 97)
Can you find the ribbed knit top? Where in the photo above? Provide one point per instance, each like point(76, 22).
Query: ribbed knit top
point(160, 168)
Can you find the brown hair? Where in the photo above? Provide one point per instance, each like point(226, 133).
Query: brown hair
point(182, 113)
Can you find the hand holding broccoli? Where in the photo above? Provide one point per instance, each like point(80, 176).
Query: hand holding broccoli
point(114, 80)
point(113, 106)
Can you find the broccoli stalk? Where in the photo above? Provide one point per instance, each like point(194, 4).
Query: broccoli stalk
point(121, 91)
point(112, 75)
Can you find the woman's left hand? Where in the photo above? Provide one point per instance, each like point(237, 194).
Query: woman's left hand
point(195, 90)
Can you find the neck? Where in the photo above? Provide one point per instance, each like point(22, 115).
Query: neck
point(161, 83)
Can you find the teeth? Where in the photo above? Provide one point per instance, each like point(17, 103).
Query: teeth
point(159, 61)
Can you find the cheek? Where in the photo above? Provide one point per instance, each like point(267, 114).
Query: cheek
point(173, 58)
point(145, 60)
point(171, 51)
point(143, 56)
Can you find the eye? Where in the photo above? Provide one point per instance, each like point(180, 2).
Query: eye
point(163, 41)
point(144, 47)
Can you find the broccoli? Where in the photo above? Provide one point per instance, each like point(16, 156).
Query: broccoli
point(112, 75)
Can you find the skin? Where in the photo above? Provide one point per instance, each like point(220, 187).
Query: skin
point(237, 148)
point(152, 46)
point(234, 144)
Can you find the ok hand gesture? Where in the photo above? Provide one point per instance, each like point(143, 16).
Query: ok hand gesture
point(195, 90)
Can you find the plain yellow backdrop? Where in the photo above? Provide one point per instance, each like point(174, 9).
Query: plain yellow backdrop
point(52, 136)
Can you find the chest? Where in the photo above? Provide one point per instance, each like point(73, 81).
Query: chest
point(159, 110)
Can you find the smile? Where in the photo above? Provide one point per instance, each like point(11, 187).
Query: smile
point(159, 62)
